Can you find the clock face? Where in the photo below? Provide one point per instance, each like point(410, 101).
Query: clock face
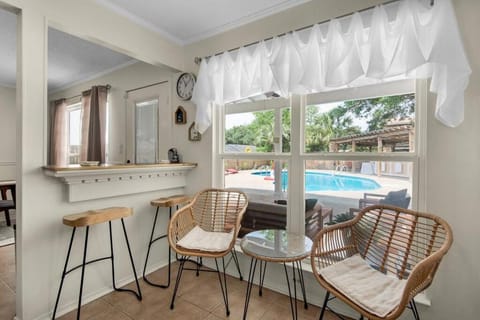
point(185, 84)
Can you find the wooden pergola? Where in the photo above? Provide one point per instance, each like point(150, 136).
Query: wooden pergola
point(396, 136)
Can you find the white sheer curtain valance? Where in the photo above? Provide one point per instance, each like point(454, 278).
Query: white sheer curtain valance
point(421, 41)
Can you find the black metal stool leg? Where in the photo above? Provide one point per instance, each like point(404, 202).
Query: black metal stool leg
point(150, 243)
point(83, 273)
point(64, 273)
point(138, 294)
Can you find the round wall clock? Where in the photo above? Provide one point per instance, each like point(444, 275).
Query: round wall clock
point(185, 84)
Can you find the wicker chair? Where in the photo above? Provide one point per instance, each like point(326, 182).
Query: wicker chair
point(377, 262)
point(207, 228)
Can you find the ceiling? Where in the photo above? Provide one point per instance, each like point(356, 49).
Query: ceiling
point(72, 60)
point(187, 21)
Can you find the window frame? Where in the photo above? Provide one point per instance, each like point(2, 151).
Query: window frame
point(297, 156)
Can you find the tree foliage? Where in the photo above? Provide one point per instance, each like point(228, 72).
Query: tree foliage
point(320, 126)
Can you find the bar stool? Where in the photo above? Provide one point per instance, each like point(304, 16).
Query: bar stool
point(167, 202)
point(87, 219)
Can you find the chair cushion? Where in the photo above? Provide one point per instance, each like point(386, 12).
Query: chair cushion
point(373, 290)
point(199, 239)
point(395, 198)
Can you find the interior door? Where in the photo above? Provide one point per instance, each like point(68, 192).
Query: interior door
point(149, 132)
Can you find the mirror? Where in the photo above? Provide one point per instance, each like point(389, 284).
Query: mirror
point(136, 98)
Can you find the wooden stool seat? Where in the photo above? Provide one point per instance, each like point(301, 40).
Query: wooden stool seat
point(92, 217)
point(170, 201)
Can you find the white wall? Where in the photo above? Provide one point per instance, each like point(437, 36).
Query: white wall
point(453, 155)
point(8, 141)
point(41, 237)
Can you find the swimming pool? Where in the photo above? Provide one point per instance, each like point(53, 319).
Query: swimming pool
point(321, 181)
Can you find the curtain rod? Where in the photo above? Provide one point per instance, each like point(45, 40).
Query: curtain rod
point(147, 86)
point(197, 60)
point(79, 95)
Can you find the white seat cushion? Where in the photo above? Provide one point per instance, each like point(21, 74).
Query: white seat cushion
point(371, 289)
point(199, 239)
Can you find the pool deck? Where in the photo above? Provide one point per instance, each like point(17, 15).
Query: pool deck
point(340, 201)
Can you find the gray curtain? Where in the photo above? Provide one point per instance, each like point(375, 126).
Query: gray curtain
point(94, 121)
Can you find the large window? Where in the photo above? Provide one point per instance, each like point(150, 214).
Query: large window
point(344, 148)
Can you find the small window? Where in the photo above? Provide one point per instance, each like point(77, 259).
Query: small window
point(74, 130)
point(257, 127)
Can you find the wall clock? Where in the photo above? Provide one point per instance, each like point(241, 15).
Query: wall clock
point(185, 84)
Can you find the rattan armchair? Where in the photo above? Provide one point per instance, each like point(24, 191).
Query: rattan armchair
point(379, 261)
point(207, 228)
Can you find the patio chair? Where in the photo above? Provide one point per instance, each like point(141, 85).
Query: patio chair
point(207, 228)
point(394, 198)
point(379, 261)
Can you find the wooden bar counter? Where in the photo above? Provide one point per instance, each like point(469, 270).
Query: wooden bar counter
point(109, 180)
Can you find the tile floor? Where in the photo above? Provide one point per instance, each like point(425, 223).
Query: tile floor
point(198, 298)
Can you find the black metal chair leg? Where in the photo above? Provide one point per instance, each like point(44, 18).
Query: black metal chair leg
point(83, 273)
point(223, 285)
point(177, 281)
point(324, 306)
point(237, 264)
point(413, 306)
point(63, 273)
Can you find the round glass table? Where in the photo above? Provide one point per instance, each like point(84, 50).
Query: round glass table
point(276, 246)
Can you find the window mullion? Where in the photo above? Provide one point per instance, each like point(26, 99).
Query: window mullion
point(296, 181)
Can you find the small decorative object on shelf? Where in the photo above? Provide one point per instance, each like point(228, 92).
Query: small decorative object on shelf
point(180, 115)
point(193, 134)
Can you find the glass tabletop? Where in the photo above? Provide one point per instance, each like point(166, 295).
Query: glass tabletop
point(276, 245)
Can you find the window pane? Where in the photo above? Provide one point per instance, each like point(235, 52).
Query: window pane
point(258, 131)
point(256, 175)
point(338, 187)
point(383, 124)
point(74, 134)
point(146, 131)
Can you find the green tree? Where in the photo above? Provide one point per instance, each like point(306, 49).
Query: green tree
point(378, 111)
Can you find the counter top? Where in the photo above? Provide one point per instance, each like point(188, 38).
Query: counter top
point(109, 180)
point(106, 166)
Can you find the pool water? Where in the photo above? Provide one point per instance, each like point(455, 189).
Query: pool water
point(320, 181)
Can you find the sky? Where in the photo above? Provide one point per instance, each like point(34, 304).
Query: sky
point(238, 119)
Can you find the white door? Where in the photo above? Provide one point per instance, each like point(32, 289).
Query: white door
point(149, 124)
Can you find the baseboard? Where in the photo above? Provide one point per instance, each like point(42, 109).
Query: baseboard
point(69, 306)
